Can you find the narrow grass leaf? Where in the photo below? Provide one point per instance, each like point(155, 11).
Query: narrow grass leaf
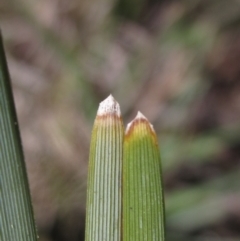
point(143, 202)
point(16, 215)
point(103, 215)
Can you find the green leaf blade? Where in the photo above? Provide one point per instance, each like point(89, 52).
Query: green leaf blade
point(143, 201)
point(103, 217)
point(16, 214)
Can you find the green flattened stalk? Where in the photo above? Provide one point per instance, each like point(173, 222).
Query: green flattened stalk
point(16, 215)
point(103, 214)
point(143, 202)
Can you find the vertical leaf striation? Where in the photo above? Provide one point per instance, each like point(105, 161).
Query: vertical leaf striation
point(143, 201)
point(103, 217)
point(16, 215)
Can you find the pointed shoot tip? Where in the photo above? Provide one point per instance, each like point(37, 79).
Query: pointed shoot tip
point(109, 106)
point(138, 117)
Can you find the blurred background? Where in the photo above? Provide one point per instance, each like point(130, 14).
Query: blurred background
point(176, 61)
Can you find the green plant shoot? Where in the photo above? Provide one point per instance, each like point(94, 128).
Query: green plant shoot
point(143, 201)
point(103, 216)
point(16, 214)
